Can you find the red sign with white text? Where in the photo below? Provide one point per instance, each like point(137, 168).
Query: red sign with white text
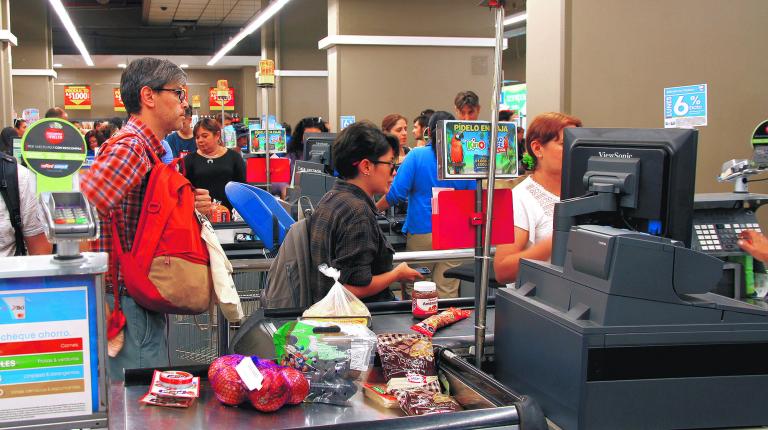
point(119, 106)
point(215, 103)
point(77, 97)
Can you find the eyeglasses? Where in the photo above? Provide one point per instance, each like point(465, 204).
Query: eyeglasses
point(180, 93)
point(392, 165)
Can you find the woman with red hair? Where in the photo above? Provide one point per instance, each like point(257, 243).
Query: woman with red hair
point(535, 197)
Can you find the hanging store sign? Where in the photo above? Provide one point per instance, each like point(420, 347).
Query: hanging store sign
point(215, 102)
point(685, 107)
point(77, 97)
point(266, 73)
point(119, 106)
point(196, 102)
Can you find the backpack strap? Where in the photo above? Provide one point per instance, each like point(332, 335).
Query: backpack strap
point(9, 188)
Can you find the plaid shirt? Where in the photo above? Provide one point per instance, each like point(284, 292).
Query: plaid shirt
point(118, 178)
point(345, 235)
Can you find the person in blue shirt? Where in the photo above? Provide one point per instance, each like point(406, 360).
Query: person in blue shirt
point(182, 141)
point(414, 182)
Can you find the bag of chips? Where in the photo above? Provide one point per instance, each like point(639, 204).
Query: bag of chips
point(447, 317)
point(423, 402)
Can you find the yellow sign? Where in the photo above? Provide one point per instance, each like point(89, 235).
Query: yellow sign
point(266, 73)
point(196, 102)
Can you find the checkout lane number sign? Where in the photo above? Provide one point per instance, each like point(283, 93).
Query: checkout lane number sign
point(685, 107)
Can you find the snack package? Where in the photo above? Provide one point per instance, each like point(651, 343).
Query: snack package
point(447, 317)
point(339, 302)
point(378, 393)
point(172, 388)
point(422, 402)
point(408, 362)
point(331, 356)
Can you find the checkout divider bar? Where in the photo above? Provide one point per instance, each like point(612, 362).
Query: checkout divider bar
point(468, 254)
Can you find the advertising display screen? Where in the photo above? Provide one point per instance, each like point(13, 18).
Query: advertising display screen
point(463, 148)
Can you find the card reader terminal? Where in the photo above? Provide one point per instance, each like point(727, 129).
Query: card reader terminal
point(69, 219)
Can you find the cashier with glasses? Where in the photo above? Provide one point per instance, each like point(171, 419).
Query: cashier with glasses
point(344, 233)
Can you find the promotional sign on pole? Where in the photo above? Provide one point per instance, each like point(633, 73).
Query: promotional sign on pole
point(257, 139)
point(77, 97)
point(30, 115)
point(118, 100)
point(759, 142)
point(463, 148)
point(54, 149)
point(266, 73)
point(196, 101)
point(227, 101)
point(345, 121)
point(685, 107)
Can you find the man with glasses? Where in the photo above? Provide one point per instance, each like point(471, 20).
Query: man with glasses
point(154, 98)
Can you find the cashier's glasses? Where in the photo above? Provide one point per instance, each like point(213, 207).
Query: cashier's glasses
point(392, 165)
point(180, 93)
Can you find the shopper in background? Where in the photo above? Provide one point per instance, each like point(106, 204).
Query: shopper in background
point(56, 112)
point(534, 199)
point(31, 230)
point(224, 119)
point(117, 122)
point(154, 97)
point(295, 148)
point(212, 166)
point(345, 233)
point(506, 115)
point(397, 125)
point(20, 125)
point(93, 139)
point(107, 129)
point(6, 140)
point(467, 105)
point(420, 125)
point(182, 141)
point(79, 126)
point(414, 182)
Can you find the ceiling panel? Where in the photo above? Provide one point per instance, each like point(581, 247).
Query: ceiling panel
point(229, 13)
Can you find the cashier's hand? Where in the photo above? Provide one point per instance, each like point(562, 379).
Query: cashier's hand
point(203, 201)
point(405, 273)
point(755, 244)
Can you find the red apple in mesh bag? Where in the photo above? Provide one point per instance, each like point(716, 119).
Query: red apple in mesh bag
point(223, 361)
point(228, 386)
point(298, 385)
point(274, 390)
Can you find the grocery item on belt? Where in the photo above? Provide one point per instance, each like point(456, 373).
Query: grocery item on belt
point(274, 391)
point(408, 362)
point(172, 388)
point(297, 384)
point(378, 393)
point(423, 402)
point(339, 302)
point(331, 356)
point(447, 317)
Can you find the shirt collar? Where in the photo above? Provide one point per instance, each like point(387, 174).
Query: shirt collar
point(135, 125)
point(342, 185)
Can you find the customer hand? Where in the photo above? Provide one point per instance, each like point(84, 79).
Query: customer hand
point(405, 273)
point(755, 244)
point(203, 201)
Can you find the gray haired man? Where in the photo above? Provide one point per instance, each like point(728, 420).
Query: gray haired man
point(154, 97)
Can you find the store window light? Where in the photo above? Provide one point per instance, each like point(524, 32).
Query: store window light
point(67, 22)
point(254, 25)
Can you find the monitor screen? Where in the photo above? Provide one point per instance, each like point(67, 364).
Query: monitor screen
point(317, 149)
point(662, 196)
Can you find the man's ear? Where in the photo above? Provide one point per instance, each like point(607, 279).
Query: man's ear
point(147, 97)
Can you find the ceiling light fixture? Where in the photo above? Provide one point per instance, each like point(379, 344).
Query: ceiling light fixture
point(257, 22)
point(67, 22)
point(515, 18)
point(57, 65)
point(122, 65)
point(183, 66)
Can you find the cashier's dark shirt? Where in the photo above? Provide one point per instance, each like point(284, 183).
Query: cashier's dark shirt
point(346, 235)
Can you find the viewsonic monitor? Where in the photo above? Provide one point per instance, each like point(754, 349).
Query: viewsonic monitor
point(664, 163)
point(317, 149)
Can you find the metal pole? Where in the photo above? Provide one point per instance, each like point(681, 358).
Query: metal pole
point(478, 241)
point(480, 315)
point(265, 96)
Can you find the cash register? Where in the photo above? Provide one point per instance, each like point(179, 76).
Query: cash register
point(619, 330)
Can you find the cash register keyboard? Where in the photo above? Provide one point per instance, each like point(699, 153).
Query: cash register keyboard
point(721, 237)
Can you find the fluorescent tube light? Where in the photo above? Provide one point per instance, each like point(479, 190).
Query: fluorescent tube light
point(184, 66)
point(67, 22)
point(515, 18)
point(254, 25)
point(57, 65)
point(122, 65)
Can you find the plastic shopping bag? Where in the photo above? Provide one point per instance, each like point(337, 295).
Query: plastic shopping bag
point(339, 302)
point(221, 272)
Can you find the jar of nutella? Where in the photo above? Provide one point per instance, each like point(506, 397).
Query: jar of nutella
point(424, 299)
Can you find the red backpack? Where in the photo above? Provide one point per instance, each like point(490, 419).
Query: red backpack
point(167, 269)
